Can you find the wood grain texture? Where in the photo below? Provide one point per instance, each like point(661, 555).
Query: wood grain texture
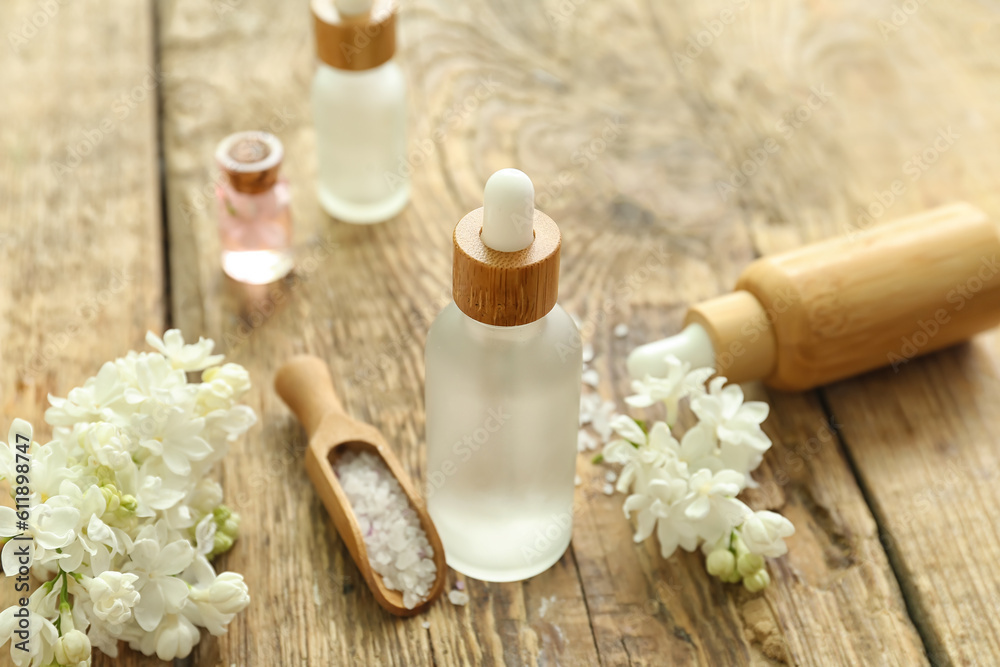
point(626, 147)
point(913, 102)
point(81, 255)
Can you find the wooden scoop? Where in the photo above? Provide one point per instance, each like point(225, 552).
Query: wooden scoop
point(304, 384)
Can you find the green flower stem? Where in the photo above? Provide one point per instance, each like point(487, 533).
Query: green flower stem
point(64, 593)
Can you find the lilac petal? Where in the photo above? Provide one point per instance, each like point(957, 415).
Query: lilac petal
point(698, 509)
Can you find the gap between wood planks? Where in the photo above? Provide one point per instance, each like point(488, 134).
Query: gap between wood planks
point(586, 605)
point(161, 169)
point(932, 648)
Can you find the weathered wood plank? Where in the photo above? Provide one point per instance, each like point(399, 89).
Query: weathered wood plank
point(81, 257)
point(364, 303)
point(914, 102)
point(624, 151)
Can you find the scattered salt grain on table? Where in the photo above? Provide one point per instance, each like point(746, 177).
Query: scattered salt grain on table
point(608, 490)
point(590, 403)
point(588, 353)
point(397, 545)
point(621, 330)
point(600, 420)
point(585, 442)
point(546, 603)
point(610, 476)
point(590, 377)
point(459, 598)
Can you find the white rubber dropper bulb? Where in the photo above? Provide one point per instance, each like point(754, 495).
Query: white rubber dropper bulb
point(692, 345)
point(352, 7)
point(508, 211)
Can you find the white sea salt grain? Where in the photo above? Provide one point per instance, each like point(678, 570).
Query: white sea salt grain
point(546, 603)
point(610, 476)
point(621, 330)
point(585, 442)
point(426, 625)
point(397, 545)
point(600, 420)
point(577, 481)
point(590, 377)
point(590, 403)
point(608, 489)
point(459, 598)
point(588, 353)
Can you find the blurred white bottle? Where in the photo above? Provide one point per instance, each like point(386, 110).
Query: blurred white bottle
point(359, 111)
point(503, 365)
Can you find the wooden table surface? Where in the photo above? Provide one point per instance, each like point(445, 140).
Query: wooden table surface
point(628, 116)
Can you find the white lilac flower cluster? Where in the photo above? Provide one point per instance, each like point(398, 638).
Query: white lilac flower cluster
point(123, 520)
point(685, 490)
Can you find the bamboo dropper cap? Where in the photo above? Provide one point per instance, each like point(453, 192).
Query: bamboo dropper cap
point(354, 34)
point(506, 267)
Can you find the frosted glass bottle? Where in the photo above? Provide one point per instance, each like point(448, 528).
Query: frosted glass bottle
point(503, 404)
point(359, 112)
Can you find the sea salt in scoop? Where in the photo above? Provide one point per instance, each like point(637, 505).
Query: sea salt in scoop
point(395, 546)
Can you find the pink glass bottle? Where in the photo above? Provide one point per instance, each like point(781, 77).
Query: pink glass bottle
point(255, 222)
